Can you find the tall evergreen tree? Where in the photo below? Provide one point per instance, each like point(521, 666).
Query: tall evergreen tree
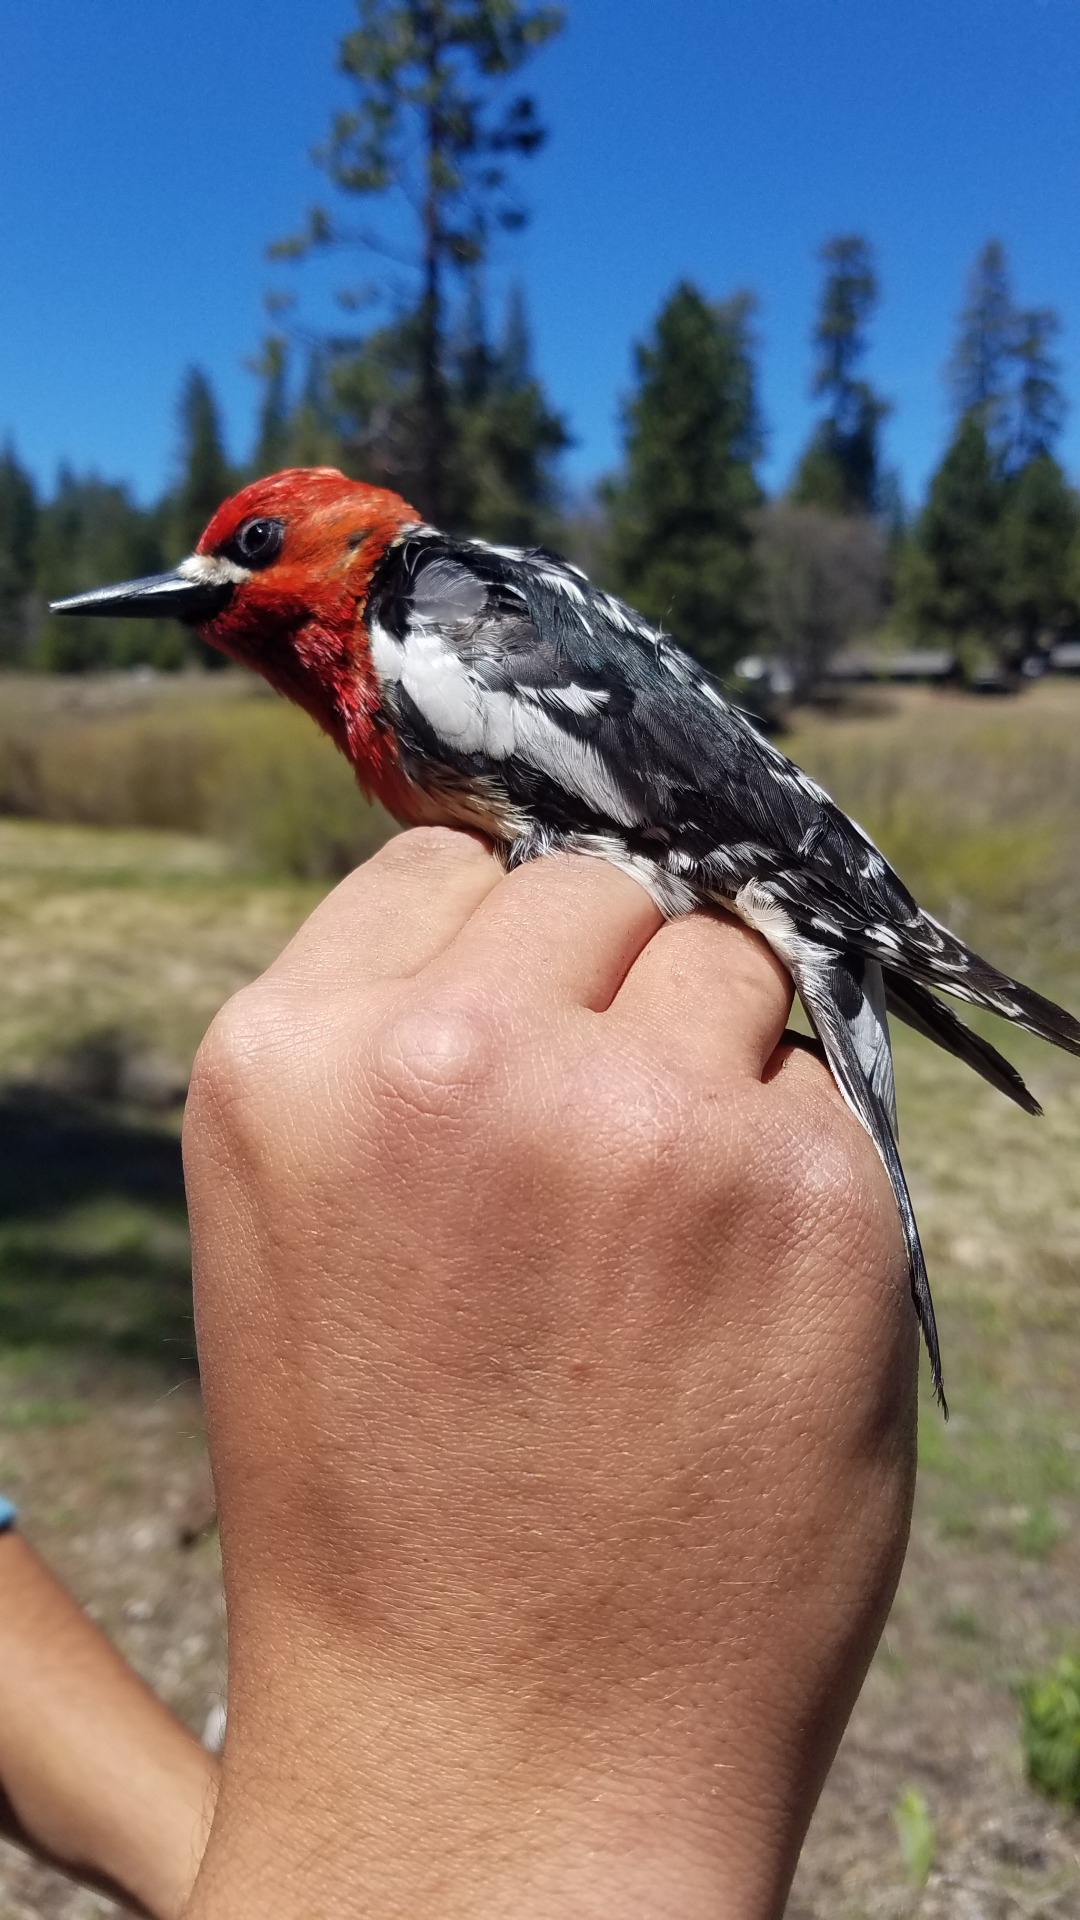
point(206, 477)
point(1039, 406)
point(504, 438)
point(509, 435)
point(272, 434)
point(840, 470)
point(951, 584)
point(89, 533)
point(18, 531)
point(316, 434)
point(1039, 527)
point(991, 554)
point(980, 370)
point(431, 129)
point(681, 513)
point(371, 400)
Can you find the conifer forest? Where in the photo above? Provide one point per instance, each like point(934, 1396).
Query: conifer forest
point(428, 387)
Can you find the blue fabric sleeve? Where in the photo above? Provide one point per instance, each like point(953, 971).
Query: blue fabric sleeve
point(7, 1514)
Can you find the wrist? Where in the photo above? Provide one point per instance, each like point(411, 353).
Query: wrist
point(342, 1794)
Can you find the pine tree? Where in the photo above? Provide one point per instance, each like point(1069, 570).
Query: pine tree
point(272, 435)
point(952, 584)
point(431, 131)
point(1039, 406)
point(840, 470)
point(1040, 524)
point(990, 559)
point(369, 398)
point(206, 478)
point(92, 532)
point(18, 531)
point(682, 538)
point(315, 437)
point(504, 439)
point(509, 436)
point(980, 370)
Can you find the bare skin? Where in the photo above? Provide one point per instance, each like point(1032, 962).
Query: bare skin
point(96, 1776)
point(561, 1376)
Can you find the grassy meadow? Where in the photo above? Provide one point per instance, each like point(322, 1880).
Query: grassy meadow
point(158, 844)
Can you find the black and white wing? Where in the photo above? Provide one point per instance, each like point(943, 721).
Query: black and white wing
point(508, 668)
point(581, 725)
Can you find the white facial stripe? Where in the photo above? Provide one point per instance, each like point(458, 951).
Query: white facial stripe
point(213, 570)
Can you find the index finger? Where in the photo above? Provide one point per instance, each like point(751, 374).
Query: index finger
point(393, 915)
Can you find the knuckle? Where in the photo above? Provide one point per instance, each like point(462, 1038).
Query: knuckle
point(234, 1058)
point(434, 1055)
point(823, 1172)
point(642, 1121)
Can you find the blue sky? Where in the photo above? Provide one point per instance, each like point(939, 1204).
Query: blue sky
point(148, 153)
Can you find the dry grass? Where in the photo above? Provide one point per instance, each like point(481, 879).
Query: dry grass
point(976, 802)
point(128, 932)
point(207, 754)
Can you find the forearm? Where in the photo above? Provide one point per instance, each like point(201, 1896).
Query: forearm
point(11, 1828)
point(97, 1776)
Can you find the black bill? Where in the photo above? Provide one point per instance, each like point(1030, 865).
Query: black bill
point(170, 595)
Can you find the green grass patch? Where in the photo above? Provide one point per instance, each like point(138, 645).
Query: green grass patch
point(962, 1623)
point(21, 1414)
point(93, 1239)
point(915, 1836)
point(996, 1473)
point(1050, 1731)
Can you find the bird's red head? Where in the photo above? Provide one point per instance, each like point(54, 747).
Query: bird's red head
point(279, 581)
point(293, 558)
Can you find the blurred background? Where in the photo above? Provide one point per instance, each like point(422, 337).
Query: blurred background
point(766, 314)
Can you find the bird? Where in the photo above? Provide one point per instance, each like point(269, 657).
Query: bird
point(494, 688)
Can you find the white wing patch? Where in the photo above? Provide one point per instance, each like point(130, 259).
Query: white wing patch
point(584, 701)
point(473, 718)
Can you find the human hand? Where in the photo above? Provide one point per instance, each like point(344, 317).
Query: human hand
point(560, 1370)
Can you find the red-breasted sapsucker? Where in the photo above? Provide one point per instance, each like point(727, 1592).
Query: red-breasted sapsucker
point(494, 688)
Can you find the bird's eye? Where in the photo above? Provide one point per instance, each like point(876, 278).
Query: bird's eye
point(256, 542)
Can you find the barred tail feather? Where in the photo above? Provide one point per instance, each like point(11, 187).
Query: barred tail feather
point(835, 990)
point(919, 1009)
point(936, 958)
